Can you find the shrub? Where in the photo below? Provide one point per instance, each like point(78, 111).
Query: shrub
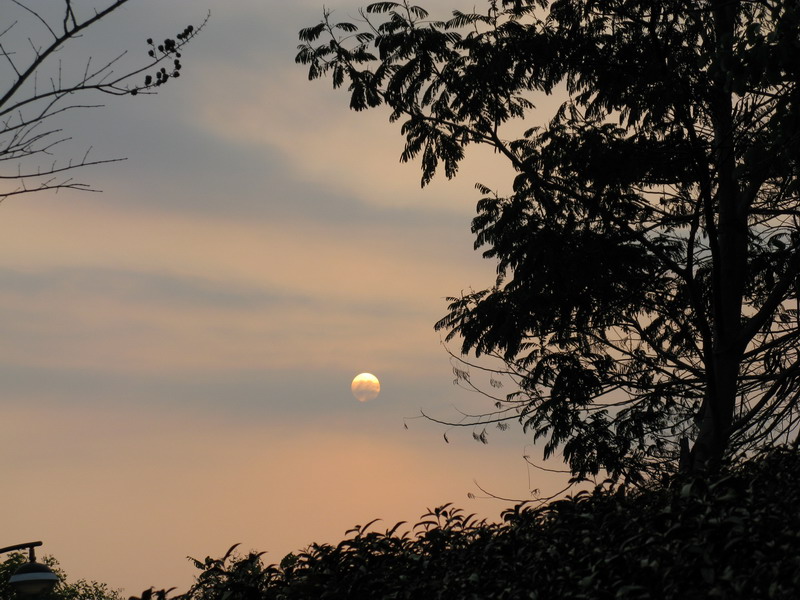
point(737, 536)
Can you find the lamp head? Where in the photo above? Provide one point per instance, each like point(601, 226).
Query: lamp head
point(33, 578)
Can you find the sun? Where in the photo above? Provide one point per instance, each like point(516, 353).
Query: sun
point(365, 387)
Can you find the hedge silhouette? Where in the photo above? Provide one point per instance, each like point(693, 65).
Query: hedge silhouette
point(736, 536)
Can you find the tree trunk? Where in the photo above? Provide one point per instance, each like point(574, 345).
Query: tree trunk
point(716, 416)
point(728, 237)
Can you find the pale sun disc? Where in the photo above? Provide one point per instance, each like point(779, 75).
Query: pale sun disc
point(365, 387)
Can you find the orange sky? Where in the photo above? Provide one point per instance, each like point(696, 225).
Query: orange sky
point(177, 351)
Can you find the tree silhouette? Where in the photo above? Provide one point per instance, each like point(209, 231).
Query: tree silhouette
point(647, 291)
point(38, 89)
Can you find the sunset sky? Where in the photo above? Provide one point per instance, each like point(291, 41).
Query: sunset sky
point(177, 351)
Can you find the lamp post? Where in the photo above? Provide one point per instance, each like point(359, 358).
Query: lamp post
point(32, 578)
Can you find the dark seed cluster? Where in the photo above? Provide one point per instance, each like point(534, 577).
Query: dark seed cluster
point(169, 48)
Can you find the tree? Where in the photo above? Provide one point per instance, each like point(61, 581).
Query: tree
point(38, 90)
point(648, 257)
point(64, 590)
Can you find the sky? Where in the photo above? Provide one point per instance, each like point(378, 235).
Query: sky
point(177, 350)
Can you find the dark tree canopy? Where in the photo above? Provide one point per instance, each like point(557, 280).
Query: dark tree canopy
point(647, 291)
point(38, 89)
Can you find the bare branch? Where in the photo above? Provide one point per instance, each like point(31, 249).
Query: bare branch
point(28, 110)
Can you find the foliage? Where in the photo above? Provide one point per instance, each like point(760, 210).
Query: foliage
point(735, 536)
point(648, 257)
point(38, 88)
point(80, 589)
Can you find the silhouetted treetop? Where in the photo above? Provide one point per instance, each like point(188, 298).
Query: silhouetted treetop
point(648, 257)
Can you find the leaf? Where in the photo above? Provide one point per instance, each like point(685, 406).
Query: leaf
point(310, 34)
point(348, 27)
point(381, 7)
point(418, 12)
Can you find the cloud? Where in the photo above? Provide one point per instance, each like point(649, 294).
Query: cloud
point(97, 287)
point(352, 154)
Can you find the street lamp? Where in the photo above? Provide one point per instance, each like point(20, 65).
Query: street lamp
point(31, 578)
